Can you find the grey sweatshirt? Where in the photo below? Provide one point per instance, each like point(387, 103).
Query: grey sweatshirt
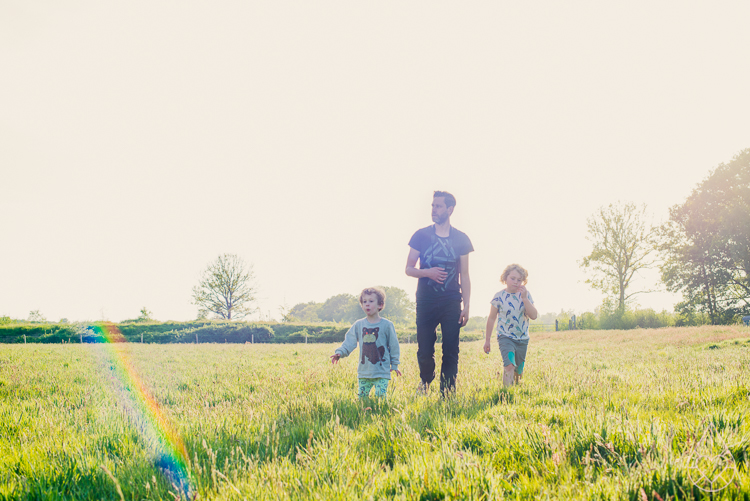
point(378, 346)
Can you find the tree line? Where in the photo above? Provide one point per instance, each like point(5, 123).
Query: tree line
point(399, 309)
point(702, 251)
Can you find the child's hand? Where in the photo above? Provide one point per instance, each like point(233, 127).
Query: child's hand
point(398, 372)
point(487, 347)
point(335, 358)
point(523, 291)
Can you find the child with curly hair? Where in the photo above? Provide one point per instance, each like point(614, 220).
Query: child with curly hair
point(512, 308)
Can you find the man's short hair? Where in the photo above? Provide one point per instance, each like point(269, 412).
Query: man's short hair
point(450, 200)
point(378, 292)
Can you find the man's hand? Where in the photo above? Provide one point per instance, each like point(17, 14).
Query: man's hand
point(487, 346)
point(464, 318)
point(335, 358)
point(398, 372)
point(437, 274)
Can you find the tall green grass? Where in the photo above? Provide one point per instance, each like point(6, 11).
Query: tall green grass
point(599, 415)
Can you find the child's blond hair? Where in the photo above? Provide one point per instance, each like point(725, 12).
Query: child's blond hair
point(377, 291)
point(515, 267)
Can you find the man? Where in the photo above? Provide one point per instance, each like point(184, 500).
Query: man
point(443, 273)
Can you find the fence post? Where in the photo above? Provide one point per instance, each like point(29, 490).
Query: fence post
point(196, 338)
point(574, 322)
point(557, 328)
point(24, 339)
point(252, 338)
point(141, 337)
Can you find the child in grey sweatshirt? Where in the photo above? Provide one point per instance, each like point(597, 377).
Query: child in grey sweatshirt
point(379, 350)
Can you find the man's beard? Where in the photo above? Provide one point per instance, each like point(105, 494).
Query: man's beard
point(439, 220)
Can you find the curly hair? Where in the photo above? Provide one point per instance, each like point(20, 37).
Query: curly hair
point(377, 291)
point(515, 267)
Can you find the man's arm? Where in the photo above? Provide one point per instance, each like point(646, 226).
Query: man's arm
point(465, 289)
point(437, 274)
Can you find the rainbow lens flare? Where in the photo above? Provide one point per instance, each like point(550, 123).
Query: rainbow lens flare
point(161, 437)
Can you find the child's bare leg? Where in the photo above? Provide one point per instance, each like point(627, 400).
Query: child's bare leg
point(508, 371)
point(507, 349)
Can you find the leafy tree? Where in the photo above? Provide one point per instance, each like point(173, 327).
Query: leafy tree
point(706, 246)
point(145, 316)
point(286, 314)
point(353, 310)
point(399, 308)
point(305, 312)
point(227, 288)
point(623, 246)
point(340, 307)
point(693, 267)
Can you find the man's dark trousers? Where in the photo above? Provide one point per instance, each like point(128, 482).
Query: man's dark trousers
point(430, 314)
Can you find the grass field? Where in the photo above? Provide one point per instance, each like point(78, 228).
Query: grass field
point(640, 415)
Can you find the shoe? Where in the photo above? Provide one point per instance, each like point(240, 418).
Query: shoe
point(423, 389)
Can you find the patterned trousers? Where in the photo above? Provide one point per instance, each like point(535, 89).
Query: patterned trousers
point(366, 384)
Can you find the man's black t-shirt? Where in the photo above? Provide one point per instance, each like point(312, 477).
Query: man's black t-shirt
point(441, 252)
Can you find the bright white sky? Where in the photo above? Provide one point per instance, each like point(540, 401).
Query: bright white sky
point(140, 140)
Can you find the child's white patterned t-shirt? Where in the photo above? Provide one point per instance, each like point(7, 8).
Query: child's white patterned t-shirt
point(512, 321)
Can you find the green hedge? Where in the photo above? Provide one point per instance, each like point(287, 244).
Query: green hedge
point(206, 332)
point(178, 332)
point(315, 333)
point(38, 333)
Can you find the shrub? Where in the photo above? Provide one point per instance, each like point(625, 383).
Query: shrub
point(588, 320)
point(635, 319)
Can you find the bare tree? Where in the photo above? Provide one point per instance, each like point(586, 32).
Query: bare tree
point(623, 245)
point(227, 288)
point(35, 316)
